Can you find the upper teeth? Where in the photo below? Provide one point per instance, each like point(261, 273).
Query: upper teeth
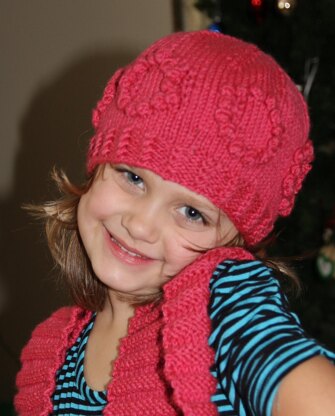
point(131, 253)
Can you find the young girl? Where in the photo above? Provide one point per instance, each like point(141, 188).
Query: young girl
point(199, 145)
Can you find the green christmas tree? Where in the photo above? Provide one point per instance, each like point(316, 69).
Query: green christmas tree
point(301, 37)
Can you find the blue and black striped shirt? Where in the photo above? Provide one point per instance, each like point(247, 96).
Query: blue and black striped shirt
point(72, 395)
point(256, 339)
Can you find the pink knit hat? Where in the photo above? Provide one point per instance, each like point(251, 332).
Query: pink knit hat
point(214, 114)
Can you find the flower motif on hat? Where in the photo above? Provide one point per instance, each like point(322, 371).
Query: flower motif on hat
point(249, 123)
point(293, 180)
point(108, 96)
point(153, 83)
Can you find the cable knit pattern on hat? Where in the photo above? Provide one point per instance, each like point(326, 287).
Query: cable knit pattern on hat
point(212, 113)
point(166, 346)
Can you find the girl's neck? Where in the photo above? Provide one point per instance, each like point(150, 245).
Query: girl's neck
point(116, 311)
point(111, 325)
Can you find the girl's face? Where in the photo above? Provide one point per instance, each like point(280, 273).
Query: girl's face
point(140, 230)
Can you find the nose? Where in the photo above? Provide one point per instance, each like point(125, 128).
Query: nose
point(141, 221)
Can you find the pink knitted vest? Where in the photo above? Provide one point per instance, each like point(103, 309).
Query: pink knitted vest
point(163, 363)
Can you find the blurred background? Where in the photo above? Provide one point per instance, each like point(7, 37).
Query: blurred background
point(56, 58)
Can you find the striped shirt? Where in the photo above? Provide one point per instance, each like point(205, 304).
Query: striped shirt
point(72, 395)
point(256, 339)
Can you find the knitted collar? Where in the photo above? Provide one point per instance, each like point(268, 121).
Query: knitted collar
point(163, 367)
point(170, 339)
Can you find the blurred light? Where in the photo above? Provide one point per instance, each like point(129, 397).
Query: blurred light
point(286, 6)
point(257, 3)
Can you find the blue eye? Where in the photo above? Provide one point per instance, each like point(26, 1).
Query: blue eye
point(133, 178)
point(193, 214)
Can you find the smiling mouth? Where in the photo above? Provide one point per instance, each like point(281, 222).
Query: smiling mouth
point(131, 253)
point(124, 253)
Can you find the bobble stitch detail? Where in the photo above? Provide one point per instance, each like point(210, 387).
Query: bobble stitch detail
point(231, 106)
point(293, 180)
point(107, 98)
point(169, 94)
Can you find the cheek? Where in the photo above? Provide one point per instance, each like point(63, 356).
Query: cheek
point(81, 211)
point(182, 251)
point(89, 216)
point(227, 233)
point(83, 218)
point(94, 205)
point(179, 255)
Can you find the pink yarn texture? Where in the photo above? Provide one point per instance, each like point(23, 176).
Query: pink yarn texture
point(212, 113)
point(166, 346)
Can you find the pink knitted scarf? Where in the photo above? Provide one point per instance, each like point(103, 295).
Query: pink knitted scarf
point(163, 363)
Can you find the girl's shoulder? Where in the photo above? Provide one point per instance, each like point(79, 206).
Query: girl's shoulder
point(247, 285)
point(60, 329)
point(256, 338)
point(233, 274)
point(242, 266)
point(63, 319)
point(43, 355)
